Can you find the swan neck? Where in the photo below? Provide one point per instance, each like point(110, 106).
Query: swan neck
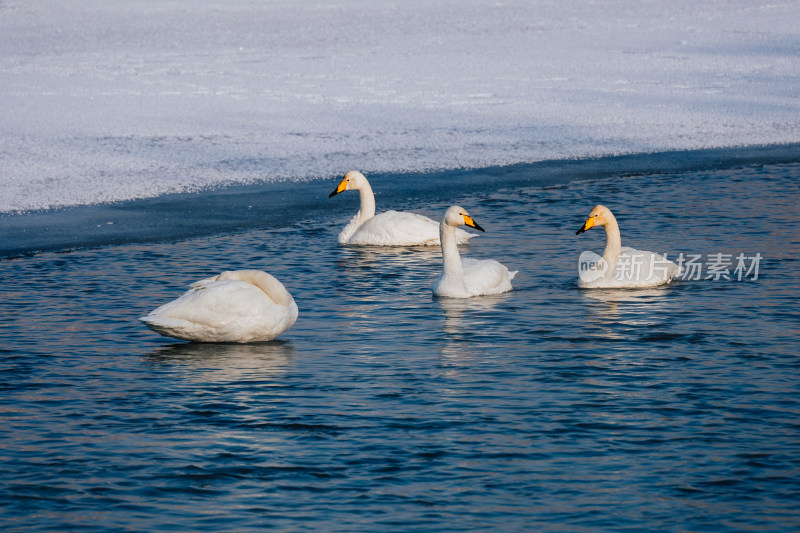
point(268, 284)
point(613, 243)
point(275, 290)
point(367, 210)
point(450, 255)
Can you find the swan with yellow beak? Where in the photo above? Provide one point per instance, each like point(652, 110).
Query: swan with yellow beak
point(390, 228)
point(620, 266)
point(468, 277)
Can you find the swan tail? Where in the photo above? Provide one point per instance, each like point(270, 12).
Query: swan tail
point(169, 327)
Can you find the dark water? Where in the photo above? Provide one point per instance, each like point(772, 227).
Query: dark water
point(545, 409)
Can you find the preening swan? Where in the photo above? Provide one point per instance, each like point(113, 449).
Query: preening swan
point(391, 228)
point(470, 277)
point(235, 306)
point(620, 266)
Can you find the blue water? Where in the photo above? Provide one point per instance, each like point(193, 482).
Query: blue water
point(545, 409)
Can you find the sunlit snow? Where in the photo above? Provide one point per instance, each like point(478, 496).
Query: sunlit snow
point(107, 100)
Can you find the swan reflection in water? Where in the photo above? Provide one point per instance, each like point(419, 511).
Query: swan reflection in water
point(462, 314)
point(226, 362)
point(610, 308)
point(462, 318)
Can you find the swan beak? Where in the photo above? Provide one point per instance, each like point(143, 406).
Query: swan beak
point(342, 187)
point(588, 225)
point(471, 223)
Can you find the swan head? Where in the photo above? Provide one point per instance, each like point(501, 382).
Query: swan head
point(353, 180)
point(458, 216)
point(599, 216)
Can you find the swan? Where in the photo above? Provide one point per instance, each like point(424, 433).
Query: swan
point(235, 306)
point(620, 266)
point(470, 277)
point(391, 228)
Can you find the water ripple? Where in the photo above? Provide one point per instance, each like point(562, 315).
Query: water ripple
point(548, 408)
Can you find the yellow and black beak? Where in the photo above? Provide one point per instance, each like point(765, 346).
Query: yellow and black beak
point(588, 225)
point(342, 187)
point(471, 223)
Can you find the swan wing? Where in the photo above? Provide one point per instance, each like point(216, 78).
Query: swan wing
point(486, 276)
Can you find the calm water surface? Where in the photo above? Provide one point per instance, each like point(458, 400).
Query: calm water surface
point(548, 408)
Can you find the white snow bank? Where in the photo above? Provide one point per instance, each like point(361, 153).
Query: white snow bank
point(109, 100)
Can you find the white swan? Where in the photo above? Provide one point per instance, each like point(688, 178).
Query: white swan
point(620, 267)
point(235, 306)
point(470, 277)
point(391, 228)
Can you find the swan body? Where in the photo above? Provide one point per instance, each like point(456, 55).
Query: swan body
point(390, 228)
point(235, 306)
point(620, 266)
point(468, 277)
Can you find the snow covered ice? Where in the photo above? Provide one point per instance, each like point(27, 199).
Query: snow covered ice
point(107, 100)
